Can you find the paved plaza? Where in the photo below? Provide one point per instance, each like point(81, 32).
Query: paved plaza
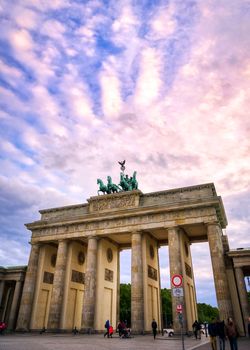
point(97, 342)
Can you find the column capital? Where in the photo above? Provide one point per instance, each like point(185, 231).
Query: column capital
point(212, 223)
point(35, 244)
point(136, 232)
point(174, 227)
point(65, 240)
point(93, 237)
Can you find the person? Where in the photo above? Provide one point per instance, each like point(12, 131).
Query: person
point(154, 327)
point(248, 327)
point(212, 331)
point(111, 331)
point(107, 324)
point(232, 333)
point(196, 329)
point(221, 331)
point(205, 327)
point(3, 326)
point(75, 330)
point(119, 327)
point(43, 330)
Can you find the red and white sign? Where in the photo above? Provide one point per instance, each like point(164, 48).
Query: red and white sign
point(176, 280)
point(179, 308)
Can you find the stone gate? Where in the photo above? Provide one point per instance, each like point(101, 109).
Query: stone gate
point(72, 278)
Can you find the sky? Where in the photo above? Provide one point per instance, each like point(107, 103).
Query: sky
point(85, 84)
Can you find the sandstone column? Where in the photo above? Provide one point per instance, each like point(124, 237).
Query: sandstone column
point(13, 310)
point(137, 302)
point(118, 287)
point(63, 319)
point(214, 234)
point(88, 312)
point(1, 291)
point(58, 286)
point(242, 294)
point(175, 264)
point(23, 320)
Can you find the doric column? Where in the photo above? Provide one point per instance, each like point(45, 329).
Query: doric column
point(88, 312)
point(175, 264)
point(63, 315)
point(13, 310)
point(118, 287)
point(242, 294)
point(214, 234)
point(23, 320)
point(58, 286)
point(137, 302)
point(1, 291)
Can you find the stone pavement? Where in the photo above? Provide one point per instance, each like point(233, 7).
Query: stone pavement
point(97, 342)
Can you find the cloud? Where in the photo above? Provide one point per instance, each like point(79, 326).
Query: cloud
point(164, 86)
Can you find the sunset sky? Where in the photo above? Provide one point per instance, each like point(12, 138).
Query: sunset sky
point(85, 84)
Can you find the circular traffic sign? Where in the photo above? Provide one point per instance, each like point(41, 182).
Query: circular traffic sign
point(176, 280)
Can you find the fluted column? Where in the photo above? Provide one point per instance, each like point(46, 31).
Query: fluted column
point(1, 291)
point(137, 302)
point(175, 264)
point(118, 287)
point(214, 234)
point(242, 294)
point(88, 312)
point(23, 320)
point(58, 286)
point(66, 287)
point(13, 310)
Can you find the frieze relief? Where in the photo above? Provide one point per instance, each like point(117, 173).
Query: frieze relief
point(162, 219)
point(109, 275)
point(152, 273)
point(113, 202)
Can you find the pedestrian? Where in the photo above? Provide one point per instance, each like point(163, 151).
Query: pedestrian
point(232, 333)
point(119, 327)
point(221, 331)
point(205, 326)
point(3, 326)
point(154, 327)
point(196, 329)
point(107, 324)
point(248, 327)
point(212, 331)
point(111, 331)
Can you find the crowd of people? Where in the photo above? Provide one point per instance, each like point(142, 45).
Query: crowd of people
point(123, 330)
point(218, 330)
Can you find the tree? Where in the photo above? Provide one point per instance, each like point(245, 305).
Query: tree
point(125, 303)
point(206, 313)
point(166, 307)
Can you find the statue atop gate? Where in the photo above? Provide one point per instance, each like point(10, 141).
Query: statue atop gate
point(126, 183)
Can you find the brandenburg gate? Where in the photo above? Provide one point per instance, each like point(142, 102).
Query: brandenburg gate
point(72, 279)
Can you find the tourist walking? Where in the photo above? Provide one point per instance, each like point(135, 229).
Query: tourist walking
point(196, 329)
point(212, 331)
point(232, 333)
point(107, 324)
point(221, 332)
point(154, 327)
point(248, 327)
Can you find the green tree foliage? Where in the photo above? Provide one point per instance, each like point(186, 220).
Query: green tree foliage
point(207, 312)
point(125, 303)
point(166, 307)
